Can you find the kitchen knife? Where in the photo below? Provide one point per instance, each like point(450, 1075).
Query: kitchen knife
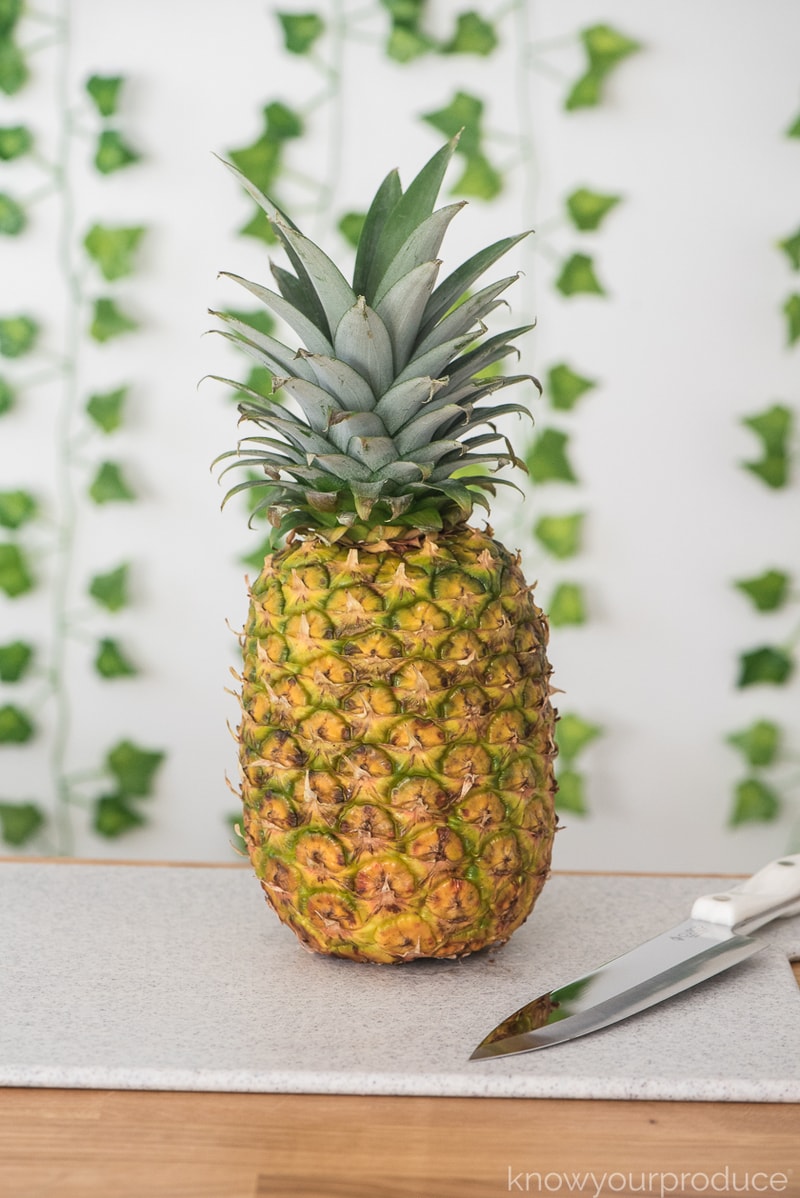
point(713, 939)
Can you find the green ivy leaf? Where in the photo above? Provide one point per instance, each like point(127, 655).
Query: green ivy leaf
point(560, 535)
point(15, 578)
point(113, 248)
point(19, 822)
point(111, 589)
point(262, 160)
point(573, 735)
point(10, 13)
point(257, 318)
point(134, 768)
point(260, 380)
point(606, 47)
point(578, 277)
point(774, 428)
point(769, 664)
point(16, 728)
point(547, 459)
point(13, 68)
point(113, 152)
point(113, 817)
point(567, 605)
point(473, 35)
point(7, 396)
point(769, 591)
point(479, 179)
point(464, 113)
point(15, 140)
point(404, 44)
point(16, 508)
point(109, 486)
point(17, 336)
point(105, 409)
point(759, 743)
point(571, 794)
point(300, 30)
point(791, 247)
point(111, 662)
point(259, 227)
point(104, 90)
point(350, 227)
point(109, 321)
point(754, 802)
point(588, 208)
point(15, 658)
point(565, 387)
point(586, 92)
point(792, 312)
point(794, 128)
point(12, 216)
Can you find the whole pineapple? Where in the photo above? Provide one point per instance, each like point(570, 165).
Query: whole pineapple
point(396, 739)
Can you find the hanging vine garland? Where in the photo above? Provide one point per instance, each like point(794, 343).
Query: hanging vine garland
point(760, 796)
point(127, 770)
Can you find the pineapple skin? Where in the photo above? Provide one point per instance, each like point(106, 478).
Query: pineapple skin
point(397, 745)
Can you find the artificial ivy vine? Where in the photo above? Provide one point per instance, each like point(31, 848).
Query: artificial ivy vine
point(404, 39)
point(759, 796)
point(109, 792)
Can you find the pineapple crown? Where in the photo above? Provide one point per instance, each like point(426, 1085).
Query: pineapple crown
point(391, 383)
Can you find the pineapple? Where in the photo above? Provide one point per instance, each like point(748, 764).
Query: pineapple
point(396, 736)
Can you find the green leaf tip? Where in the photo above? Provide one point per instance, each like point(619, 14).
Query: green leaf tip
point(760, 742)
point(754, 802)
point(19, 823)
point(769, 664)
point(111, 662)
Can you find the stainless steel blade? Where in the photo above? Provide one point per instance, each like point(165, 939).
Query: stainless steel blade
point(666, 965)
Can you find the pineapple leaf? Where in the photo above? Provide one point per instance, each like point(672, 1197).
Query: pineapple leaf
point(303, 297)
point(434, 360)
point(383, 204)
point(317, 405)
point(421, 246)
point(420, 431)
point(335, 293)
point(341, 380)
point(374, 452)
point(402, 306)
point(403, 401)
point(313, 339)
point(413, 207)
point(362, 341)
point(464, 318)
point(453, 287)
point(265, 349)
point(343, 466)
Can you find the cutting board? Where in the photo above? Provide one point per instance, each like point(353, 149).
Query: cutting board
point(180, 978)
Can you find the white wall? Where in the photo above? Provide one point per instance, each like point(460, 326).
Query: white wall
point(690, 339)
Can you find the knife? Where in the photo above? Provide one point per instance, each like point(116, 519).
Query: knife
point(715, 937)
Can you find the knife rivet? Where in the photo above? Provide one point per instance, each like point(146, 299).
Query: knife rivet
point(722, 898)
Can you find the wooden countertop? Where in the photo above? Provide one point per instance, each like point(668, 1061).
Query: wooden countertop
point(118, 1144)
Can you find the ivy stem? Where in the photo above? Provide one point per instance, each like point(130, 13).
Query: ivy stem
point(65, 497)
point(530, 181)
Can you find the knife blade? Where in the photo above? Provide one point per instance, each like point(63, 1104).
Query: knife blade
point(715, 937)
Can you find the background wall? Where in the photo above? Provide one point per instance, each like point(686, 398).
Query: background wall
point(690, 337)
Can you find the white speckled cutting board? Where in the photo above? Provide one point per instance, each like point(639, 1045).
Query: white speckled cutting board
point(174, 978)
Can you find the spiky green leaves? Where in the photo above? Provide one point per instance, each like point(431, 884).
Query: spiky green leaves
point(390, 380)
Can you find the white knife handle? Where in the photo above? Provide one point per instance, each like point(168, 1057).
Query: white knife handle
point(774, 891)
